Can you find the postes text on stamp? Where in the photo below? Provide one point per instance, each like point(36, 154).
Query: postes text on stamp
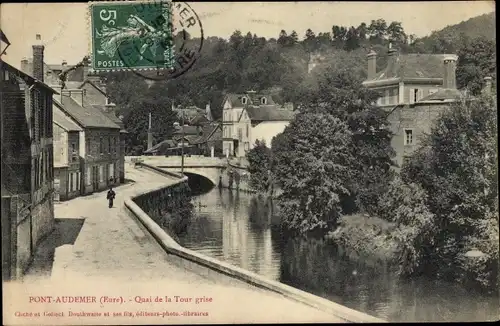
point(131, 35)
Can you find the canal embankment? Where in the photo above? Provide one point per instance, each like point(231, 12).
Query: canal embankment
point(150, 202)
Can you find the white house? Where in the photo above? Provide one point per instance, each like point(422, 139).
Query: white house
point(249, 117)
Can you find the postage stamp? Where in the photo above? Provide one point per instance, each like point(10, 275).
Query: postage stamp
point(131, 35)
point(154, 39)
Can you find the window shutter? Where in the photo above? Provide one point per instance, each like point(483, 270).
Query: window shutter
point(412, 94)
point(420, 94)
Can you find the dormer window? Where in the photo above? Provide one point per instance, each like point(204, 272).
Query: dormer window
point(263, 100)
point(244, 100)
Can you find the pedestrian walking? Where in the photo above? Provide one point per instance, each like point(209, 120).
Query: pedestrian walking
point(111, 196)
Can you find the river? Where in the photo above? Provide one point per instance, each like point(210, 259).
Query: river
point(239, 229)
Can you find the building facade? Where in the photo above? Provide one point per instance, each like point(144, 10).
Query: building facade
point(250, 117)
point(67, 171)
point(85, 87)
point(27, 160)
point(415, 89)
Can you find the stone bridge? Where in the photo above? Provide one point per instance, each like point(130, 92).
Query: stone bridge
point(209, 168)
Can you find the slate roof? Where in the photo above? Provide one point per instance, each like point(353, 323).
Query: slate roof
point(442, 95)
point(269, 113)
point(254, 99)
point(87, 115)
point(63, 121)
point(414, 66)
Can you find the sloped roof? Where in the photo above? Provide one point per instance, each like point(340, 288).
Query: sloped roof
point(26, 77)
point(209, 132)
point(62, 120)
point(199, 119)
point(188, 130)
point(161, 146)
point(269, 113)
point(253, 99)
point(442, 95)
point(414, 66)
point(86, 115)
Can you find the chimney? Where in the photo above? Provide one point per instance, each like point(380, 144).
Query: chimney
point(38, 58)
point(449, 78)
point(372, 64)
point(64, 63)
point(391, 59)
point(487, 85)
point(25, 66)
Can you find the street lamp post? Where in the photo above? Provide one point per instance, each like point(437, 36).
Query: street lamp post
point(182, 143)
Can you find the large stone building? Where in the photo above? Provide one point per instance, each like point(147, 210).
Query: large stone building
point(249, 117)
point(27, 160)
point(90, 88)
point(415, 89)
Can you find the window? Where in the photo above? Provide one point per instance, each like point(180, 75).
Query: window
point(78, 177)
point(406, 160)
point(108, 102)
point(408, 134)
point(101, 145)
point(111, 171)
point(247, 146)
point(263, 100)
point(87, 147)
point(88, 176)
point(244, 100)
point(70, 185)
point(109, 145)
point(247, 130)
point(101, 173)
point(240, 134)
point(74, 153)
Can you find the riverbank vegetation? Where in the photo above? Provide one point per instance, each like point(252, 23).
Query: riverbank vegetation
point(439, 217)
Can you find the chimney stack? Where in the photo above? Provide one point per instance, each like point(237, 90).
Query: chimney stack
point(38, 58)
point(487, 85)
point(64, 63)
point(372, 64)
point(450, 67)
point(391, 58)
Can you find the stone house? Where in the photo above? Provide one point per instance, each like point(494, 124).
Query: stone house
point(249, 117)
point(415, 89)
point(98, 146)
point(27, 160)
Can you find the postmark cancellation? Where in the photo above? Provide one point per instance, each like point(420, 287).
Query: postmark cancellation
point(143, 36)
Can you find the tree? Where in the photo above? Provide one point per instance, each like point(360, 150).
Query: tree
point(341, 94)
point(259, 160)
point(457, 169)
point(311, 164)
point(415, 231)
point(476, 60)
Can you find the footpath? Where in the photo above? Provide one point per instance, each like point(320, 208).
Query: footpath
point(95, 249)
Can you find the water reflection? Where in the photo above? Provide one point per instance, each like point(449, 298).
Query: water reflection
point(240, 229)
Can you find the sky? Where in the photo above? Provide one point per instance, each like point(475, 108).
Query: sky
point(65, 32)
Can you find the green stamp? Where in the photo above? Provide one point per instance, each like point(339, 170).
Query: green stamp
point(131, 35)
